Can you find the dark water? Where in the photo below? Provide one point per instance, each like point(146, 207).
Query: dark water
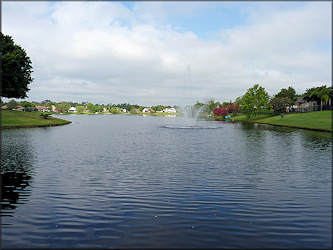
point(117, 181)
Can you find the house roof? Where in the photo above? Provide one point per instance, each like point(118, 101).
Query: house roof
point(41, 107)
point(300, 100)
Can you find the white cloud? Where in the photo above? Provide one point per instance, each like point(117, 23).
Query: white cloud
point(105, 52)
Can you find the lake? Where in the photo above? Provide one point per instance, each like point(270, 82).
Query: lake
point(125, 181)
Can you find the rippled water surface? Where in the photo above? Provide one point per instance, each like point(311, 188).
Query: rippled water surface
point(119, 181)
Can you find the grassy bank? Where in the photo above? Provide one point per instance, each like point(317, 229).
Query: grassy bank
point(19, 119)
point(321, 120)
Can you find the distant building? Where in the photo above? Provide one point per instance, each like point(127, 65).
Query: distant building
point(145, 110)
point(169, 110)
point(72, 109)
point(302, 104)
point(20, 108)
point(42, 108)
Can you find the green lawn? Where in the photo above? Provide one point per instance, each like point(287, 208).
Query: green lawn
point(320, 120)
point(17, 119)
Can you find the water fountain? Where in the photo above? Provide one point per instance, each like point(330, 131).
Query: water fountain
point(191, 114)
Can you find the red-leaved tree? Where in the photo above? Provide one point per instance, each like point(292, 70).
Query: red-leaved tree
point(233, 108)
point(220, 111)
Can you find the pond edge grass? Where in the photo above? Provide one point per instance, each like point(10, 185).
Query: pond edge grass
point(269, 120)
point(20, 119)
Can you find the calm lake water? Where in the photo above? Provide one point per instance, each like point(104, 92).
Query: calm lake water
point(122, 181)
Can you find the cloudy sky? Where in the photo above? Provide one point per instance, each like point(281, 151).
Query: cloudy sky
point(170, 53)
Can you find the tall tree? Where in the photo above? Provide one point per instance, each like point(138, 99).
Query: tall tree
point(65, 106)
point(290, 93)
point(211, 105)
point(79, 109)
point(320, 95)
point(12, 104)
point(255, 101)
point(27, 104)
point(280, 104)
point(16, 69)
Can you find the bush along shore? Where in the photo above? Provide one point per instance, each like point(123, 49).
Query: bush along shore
point(320, 121)
point(11, 119)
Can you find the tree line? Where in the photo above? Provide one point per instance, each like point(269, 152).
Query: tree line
point(256, 101)
point(83, 106)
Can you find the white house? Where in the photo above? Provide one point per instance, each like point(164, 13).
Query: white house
point(72, 109)
point(169, 110)
point(145, 110)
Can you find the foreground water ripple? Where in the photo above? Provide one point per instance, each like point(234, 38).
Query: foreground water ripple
point(139, 182)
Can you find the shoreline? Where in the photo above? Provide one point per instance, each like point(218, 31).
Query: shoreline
point(11, 119)
point(286, 126)
point(316, 121)
point(33, 126)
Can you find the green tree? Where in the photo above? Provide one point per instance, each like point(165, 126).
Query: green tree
point(91, 107)
point(50, 104)
point(115, 110)
point(141, 108)
point(256, 101)
point(65, 106)
point(158, 108)
point(199, 104)
point(79, 109)
point(239, 100)
point(211, 105)
point(16, 69)
point(290, 93)
point(225, 104)
point(46, 102)
point(321, 95)
point(134, 110)
point(12, 104)
point(99, 108)
point(27, 104)
point(280, 104)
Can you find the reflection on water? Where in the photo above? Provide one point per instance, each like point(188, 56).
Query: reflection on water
point(128, 181)
point(17, 156)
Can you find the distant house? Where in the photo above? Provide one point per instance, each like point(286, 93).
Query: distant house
point(301, 103)
point(4, 107)
point(145, 110)
point(169, 110)
point(20, 108)
point(42, 108)
point(72, 109)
